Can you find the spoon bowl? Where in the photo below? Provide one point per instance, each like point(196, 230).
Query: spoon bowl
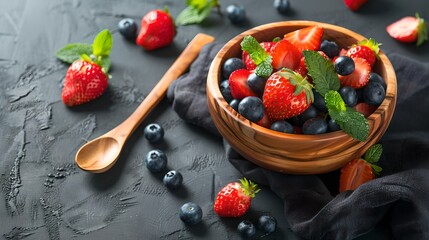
point(99, 154)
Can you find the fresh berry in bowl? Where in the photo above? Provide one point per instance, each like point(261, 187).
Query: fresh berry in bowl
point(327, 95)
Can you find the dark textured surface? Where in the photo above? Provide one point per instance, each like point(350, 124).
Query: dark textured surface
point(45, 196)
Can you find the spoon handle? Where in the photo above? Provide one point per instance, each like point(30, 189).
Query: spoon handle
point(180, 65)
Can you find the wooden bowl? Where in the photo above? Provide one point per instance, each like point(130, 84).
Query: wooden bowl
point(295, 153)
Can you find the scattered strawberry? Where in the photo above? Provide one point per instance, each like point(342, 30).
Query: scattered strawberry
point(308, 38)
point(250, 65)
point(84, 82)
point(360, 171)
point(409, 29)
point(157, 30)
point(286, 94)
point(284, 54)
point(234, 199)
point(359, 77)
point(238, 84)
point(365, 108)
point(354, 5)
point(366, 49)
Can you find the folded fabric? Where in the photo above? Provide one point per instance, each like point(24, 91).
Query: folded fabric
point(312, 204)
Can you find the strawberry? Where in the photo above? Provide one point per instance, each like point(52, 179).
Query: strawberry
point(366, 49)
point(360, 171)
point(284, 54)
point(84, 82)
point(354, 5)
point(286, 94)
point(302, 68)
point(365, 108)
point(359, 77)
point(157, 30)
point(308, 38)
point(238, 84)
point(234, 199)
point(250, 65)
point(409, 29)
point(265, 121)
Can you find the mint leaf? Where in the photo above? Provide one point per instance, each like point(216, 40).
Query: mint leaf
point(264, 69)
point(105, 64)
point(102, 43)
point(72, 52)
point(322, 72)
point(198, 4)
point(259, 56)
point(196, 11)
point(334, 101)
point(376, 168)
point(373, 154)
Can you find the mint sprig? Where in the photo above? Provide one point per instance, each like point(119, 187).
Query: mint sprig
point(196, 11)
point(372, 155)
point(259, 56)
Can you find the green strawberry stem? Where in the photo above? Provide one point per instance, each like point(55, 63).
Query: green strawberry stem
point(372, 155)
point(250, 188)
point(422, 30)
point(300, 83)
point(372, 44)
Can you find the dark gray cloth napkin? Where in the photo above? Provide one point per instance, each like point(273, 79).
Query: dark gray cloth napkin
point(399, 198)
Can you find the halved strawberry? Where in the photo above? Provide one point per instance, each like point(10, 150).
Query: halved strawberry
point(409, 29)
point(308, 38)
point(250, 65)
point(366, 49)
point(359, 77)
point(238, 84)
point(365, 108)
point(302, 68)
point(284, 54)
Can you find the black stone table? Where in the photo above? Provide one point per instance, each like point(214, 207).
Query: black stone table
point(45, 196)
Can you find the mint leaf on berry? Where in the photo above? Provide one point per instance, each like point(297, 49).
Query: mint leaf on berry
point(373, 154)
point(334, 101)
point(102, 43)
point(259, 56)
point(196, 11)
point(322, 72)
point(72, 52)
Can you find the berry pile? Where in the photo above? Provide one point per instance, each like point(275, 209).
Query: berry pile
point(275, 84)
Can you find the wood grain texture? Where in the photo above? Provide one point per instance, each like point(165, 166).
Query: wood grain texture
point(295, 153)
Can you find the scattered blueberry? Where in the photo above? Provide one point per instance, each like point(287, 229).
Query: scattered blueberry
point(153, 132)
point(226, 90)
point(349, 95)
point(375, 77)
point(373, 93)
point(156, 160)
point(128, 28)
point(330, 48)
point(344, 65)
point(310, 112)
point(333, 126)
point(230, 65)
point(282, 126)
point(319, 102)
point(268, 224)
point(191, 213)
point(235, 13)
point(234, 104)
point(246, 229)
point(173, 179)
point(282, 6)
point(251, 108)
point(315, 125)
point(256, 83)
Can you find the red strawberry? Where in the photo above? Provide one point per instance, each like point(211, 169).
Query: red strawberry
point(302, 68)
point(359, 77)
point(84, 82)
point(286, 94)
point(354, 5)
point(238, 84)
point(234, 199)
point(365, 108)
point(409, 29)
point(157, 30)
point(308, 38)
point(265, 121)
point(284, 54)
point(250, 65)
point(366, 49)
point(360, 171)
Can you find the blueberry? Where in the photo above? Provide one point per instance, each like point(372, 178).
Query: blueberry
point(156, 160)
point(333, 126)
point(256, 83)
point(226, 90)
point(375, 77)
point(330, 48)
point(310, 112)
point(344, 65)
point(191, 213)
point(282, 6)
point(234, 104)
point(251, 108)
point(282, 126)
point(349, 95)
point(373, 93)
point(153, 132)
point(235, 13)
point(128, 28)
point(230, 65)
point(315, 125)
point(246, 229)
point(173, 179)
point(266, 223)
point(319, 102)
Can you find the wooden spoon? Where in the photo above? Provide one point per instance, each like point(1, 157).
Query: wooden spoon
point(100, 154)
